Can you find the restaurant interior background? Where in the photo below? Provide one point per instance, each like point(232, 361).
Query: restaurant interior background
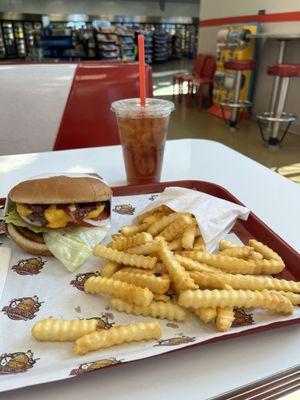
point(176, 31)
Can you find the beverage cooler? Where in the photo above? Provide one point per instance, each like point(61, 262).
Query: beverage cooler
point(2, 47)
point(19, 39)
point(32, 31)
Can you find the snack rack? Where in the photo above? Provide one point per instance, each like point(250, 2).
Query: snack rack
point(88, 40)
point(148, 47)
point(127, 46)
point(160, 45)
point(177, 45)
point(233, 43)
point(107, 45)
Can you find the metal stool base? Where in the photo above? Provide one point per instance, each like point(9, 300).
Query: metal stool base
point(268, 117)
point(241, 105)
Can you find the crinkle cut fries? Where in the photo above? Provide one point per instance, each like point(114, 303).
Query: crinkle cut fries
point(159, 268)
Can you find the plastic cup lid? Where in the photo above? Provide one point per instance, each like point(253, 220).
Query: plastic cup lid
point(132, 108)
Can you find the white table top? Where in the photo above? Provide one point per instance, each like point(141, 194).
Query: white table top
point(204, 371)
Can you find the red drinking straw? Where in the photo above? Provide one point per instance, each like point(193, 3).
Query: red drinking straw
point(141, 50)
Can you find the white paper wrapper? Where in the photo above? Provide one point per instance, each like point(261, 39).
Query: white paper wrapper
point(215, 217)
point(39, 287)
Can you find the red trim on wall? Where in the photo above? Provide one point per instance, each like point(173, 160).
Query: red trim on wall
point(275, 17)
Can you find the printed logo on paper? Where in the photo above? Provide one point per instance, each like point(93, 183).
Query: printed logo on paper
point(94, 365)
point(80, 279)
point(15, 363)
point(23, 308)
point(153, 197)
point(29, 266)
point(124, 209)
point(241, 318)
point(175, 341)
point(103, 321)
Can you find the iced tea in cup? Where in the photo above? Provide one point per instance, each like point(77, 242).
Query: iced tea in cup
point(143, 133)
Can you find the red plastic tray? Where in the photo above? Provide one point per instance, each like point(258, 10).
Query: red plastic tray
point(252, 228)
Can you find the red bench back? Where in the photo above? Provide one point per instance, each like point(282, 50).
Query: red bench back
point(87, 120)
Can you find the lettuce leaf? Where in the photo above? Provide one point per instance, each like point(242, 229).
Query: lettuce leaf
point(13, 217)
point(73, 246)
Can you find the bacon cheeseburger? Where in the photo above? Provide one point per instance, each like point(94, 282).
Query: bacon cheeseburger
point(61, 216)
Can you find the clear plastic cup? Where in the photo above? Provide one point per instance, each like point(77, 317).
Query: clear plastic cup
point(143, 133)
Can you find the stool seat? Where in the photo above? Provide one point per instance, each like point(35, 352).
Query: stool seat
point(284, 70)
point(240, 65)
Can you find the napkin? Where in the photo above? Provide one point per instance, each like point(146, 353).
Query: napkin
point(215, 217)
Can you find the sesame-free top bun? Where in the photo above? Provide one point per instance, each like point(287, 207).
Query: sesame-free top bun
point(60, 190)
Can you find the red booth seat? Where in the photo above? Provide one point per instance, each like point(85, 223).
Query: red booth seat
point(87, 120)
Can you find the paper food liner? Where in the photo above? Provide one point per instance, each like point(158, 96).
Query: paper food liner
point(215, 217)
point(40, 287)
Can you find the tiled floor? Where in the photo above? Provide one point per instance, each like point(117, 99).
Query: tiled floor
point(189, 123)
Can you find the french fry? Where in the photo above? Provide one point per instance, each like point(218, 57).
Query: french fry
point(157, 309)
point(176, 228)
point(125, 258)
point(207, 280)
point(226, 244)
point(131, 230)
point(175, 244)
point(130, 241)
point(236, 265)
point(161, 209)
point(177, 273)
point(144, 249)
point(160, 269)
point(109, 269)
point(188, 237)
point(117, 335)
point(134, 270)
point(192, 265)
point(269, 267)
point(238, 281)
point(238, 252)
point(225, 318)
point(153, 218)
point(207, 315)
point(198, 232)
point(123, 290)
point(117, 236)
point(236, 298)
point(199, 244)
point(162, 223)
point(161, 297)
point(255, 256)
point(157, 284)
point(59, 330)
point(264, 250)
point(293, 297)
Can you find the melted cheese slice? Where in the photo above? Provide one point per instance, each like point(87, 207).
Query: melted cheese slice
point(23, 210)
point(95, 213)
point(56, 218)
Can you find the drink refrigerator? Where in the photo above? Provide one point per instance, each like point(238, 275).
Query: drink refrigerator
point(2, 47)
point(19, 39)
point(9, 39)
